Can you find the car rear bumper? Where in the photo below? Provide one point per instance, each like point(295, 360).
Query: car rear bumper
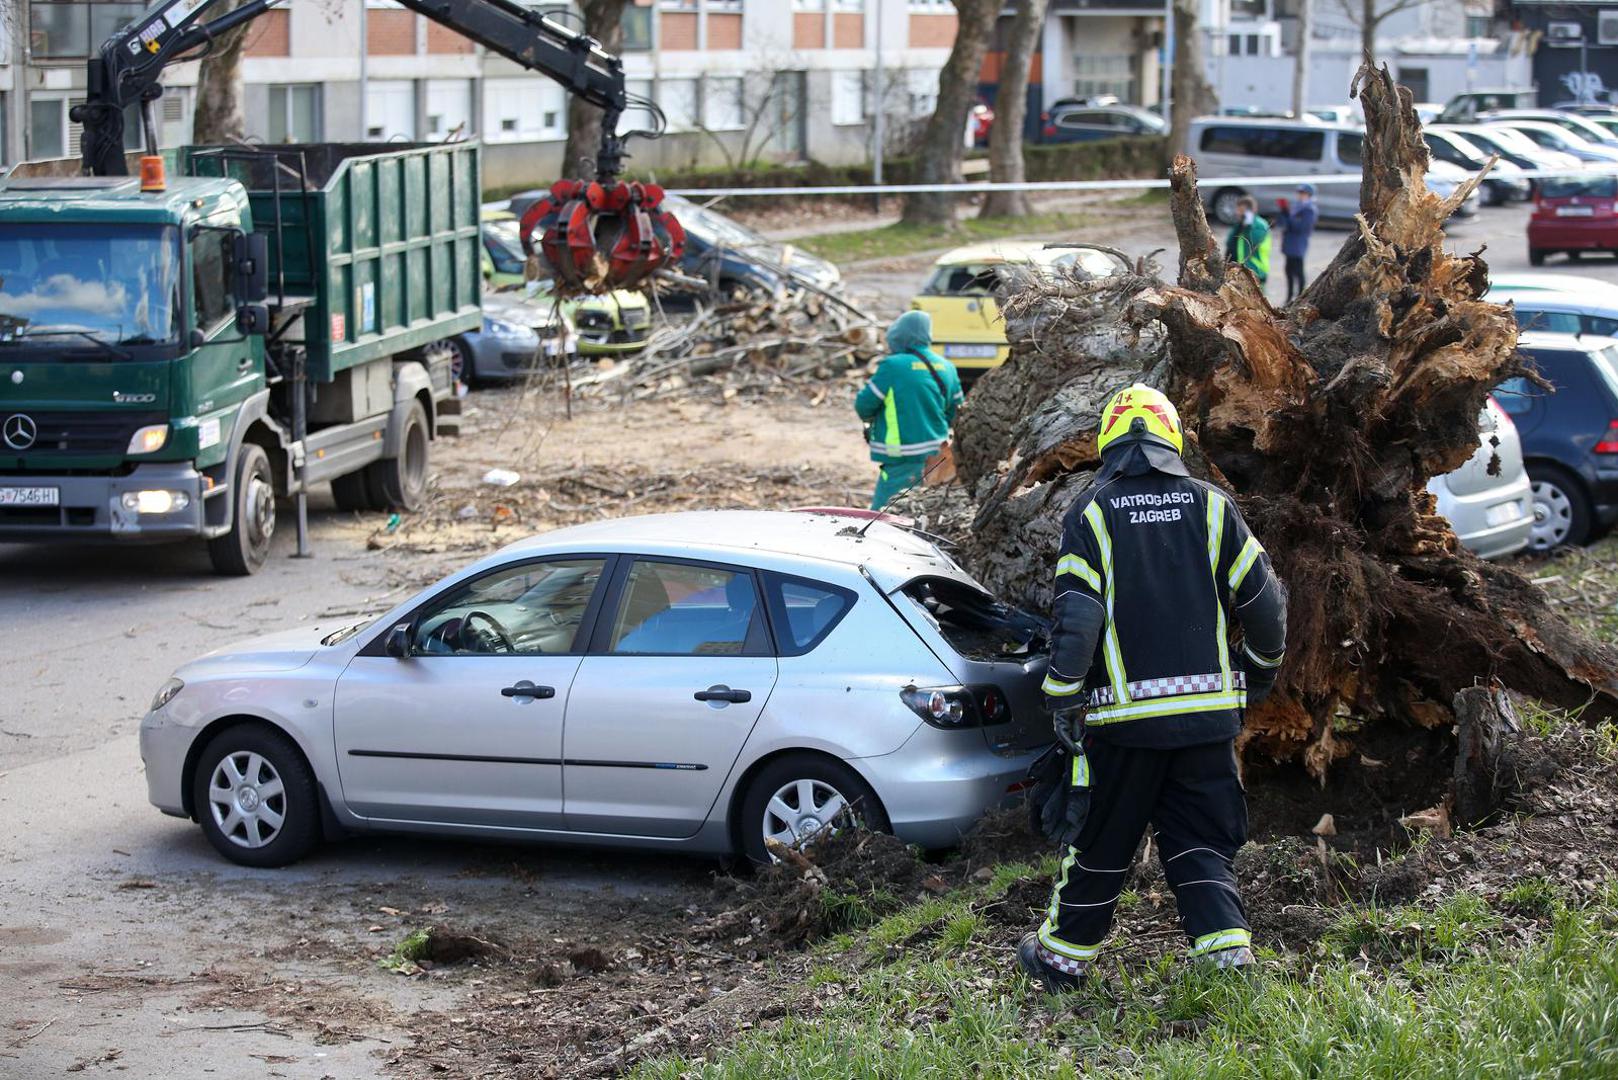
point(1572, 233)
point(939, 784)
point(91, 507)
point(1492, 523)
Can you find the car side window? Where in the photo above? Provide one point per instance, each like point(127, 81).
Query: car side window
point(534, 609)
point(804, 612)
point(1560, 322)
point(1516, 395)
point(676, 609)
point(1350, 147)
point(1600, 325)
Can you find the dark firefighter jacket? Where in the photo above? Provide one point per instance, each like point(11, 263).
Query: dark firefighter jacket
point(1155, 570)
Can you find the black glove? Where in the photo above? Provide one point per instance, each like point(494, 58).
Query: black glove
point(1260, 680)
point(1059, 806)
point(1068, 723)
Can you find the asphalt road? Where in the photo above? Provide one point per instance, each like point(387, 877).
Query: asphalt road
point(118, 927)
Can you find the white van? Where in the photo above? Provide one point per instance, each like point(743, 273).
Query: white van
point(1245, 150)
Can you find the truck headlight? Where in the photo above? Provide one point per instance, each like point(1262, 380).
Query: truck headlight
point(149, 440)
point(165, 694)
point(156, 501)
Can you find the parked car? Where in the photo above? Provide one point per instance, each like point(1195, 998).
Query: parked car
point(698, 681)
point(1336, 114)
point(1465, 107)
point(1427, 111)
point(617, 322)
point(1553, 137)
point(735, 258)
point(1241, 147)
point(1581, 126)
point(1506, 286)
point(1089, 123)
point(1505, 182)
point(512, 341)
point(1517, 148)
point(960, 295)
point(1488, 501)
point(1569, 437)
point(1573, 215)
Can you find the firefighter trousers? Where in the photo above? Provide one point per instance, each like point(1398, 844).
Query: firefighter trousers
point(1192, 798)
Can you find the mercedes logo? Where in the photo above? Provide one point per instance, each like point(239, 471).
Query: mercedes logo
point(19, 431)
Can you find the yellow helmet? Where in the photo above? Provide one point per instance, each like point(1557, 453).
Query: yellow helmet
point(1156, 414)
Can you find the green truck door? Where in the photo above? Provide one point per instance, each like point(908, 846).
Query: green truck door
point(225, 370)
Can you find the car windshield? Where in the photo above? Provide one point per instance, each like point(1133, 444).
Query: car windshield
point(1507, 139)
point(1568, 187)
point(965, 279)
point(716, 228)
point(504, 241)
point(1554, 137)
point(111, 284)
point(1468, 150)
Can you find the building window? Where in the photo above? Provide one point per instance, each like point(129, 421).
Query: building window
point(931, 7)
point(390, 110)
point(678, 99)
point(722, 7)
point(47, 128)
point(1097, 76)
point(849, 5)
point(922, 87)
point(808, 5)
point(1479, 26)
point(523, 110)
point(637, 117)
point(57, 30)
point(295, 113)
point(637, 27)
point(848, 97)
point(449, 109)
point(677, 5)
point(722, 106)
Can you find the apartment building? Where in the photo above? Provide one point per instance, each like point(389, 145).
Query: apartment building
point(784, 79)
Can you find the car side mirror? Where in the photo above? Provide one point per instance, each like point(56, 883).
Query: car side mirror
point(252, 320)
point(397, 644)
point(252, 256)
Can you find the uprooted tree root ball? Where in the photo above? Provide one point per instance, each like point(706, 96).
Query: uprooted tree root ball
point(1326, 419)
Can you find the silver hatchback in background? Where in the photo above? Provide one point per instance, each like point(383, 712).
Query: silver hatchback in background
point(1489, 505)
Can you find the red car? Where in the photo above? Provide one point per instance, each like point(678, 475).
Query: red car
point(1574, 214)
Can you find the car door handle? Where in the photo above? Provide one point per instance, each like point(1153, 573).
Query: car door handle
point(244, 363)
point(724, 693)
point(528, 690)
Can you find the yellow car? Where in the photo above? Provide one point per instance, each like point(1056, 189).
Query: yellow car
point(618, 322)
point(959, 295)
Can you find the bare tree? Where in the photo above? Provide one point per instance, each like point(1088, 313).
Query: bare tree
point(1368, 16)
point(1006, 164)
point(1300, 71)
point(762, 115)
point(1190, 94)
point(220, 116)
point(943, 144)
point(604, 21)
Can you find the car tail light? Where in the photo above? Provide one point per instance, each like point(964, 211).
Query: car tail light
point(952, 707)
point(1609, 441)
point(1050, 129)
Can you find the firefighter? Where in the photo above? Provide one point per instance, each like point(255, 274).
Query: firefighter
point(1147, 690)
point(908, 406)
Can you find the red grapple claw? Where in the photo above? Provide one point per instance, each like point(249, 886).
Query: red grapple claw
point(599, 237)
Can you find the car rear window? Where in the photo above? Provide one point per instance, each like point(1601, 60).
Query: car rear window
point(804, 611)
point(975, 624)
point(1569, 187)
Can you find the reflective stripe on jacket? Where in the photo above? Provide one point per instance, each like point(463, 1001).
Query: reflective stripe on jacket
point(1249, 246)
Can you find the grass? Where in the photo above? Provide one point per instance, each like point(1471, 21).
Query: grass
point(901, 239)
point(1463, 988)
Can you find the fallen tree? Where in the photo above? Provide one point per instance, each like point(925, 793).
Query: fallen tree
point(1326, 419)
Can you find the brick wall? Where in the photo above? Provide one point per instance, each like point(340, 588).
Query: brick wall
point(677, 31)
point(932, 31)
point(441, 39)
point(847, 31)
point(808, 30)
point(390, 33)
point(270, 35)
point(724, 31)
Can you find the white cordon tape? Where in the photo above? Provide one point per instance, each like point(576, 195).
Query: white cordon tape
point(1207, 184)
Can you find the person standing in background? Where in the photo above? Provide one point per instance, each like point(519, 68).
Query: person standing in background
point(1298, 225)
point(1249, 241)
point(908, 406)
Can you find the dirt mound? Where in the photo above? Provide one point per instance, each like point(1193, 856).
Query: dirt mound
point(1004, 835)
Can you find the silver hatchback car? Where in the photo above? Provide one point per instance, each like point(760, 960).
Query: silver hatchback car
point(701, 681)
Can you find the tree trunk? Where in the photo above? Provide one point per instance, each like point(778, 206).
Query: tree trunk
point(943, 143)
point(1368, 21)
point(1300, 71)
point(1011, 112)
point(220, 116)
point(1326, 420)
point(604, 21)
point(1190, 95)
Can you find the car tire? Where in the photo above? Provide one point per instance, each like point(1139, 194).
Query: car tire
point(401, 482)
point(264, 809)
point(1574, 256)
point(243, 549)
point(817, 776)
point(1536, 257)
point(1223, 205)
point(462, 366)
point(1563, 516)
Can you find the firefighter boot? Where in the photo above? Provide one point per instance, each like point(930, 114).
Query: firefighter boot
point(1054, 974)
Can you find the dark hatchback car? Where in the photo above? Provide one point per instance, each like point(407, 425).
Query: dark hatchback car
point(1569, 437)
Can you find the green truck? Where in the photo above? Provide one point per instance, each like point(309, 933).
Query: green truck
point(177, 355)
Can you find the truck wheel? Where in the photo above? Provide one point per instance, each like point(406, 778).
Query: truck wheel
point(353, 493)
point(244, 548)
point(1536, 257)
point(402, 481)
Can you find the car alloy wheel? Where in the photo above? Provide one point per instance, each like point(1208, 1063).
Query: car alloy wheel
point(247, 799)
point(1552, 515)
point(800, 810)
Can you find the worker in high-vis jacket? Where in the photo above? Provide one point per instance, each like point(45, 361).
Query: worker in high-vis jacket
point(908, 406)
point(1147, 686)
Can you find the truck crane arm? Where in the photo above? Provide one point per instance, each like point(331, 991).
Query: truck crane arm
point(597, 236)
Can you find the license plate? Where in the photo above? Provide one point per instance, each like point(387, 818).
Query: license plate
point(30, 496)
point(1575, 211)
point(1503, 513)
point(971, 352)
